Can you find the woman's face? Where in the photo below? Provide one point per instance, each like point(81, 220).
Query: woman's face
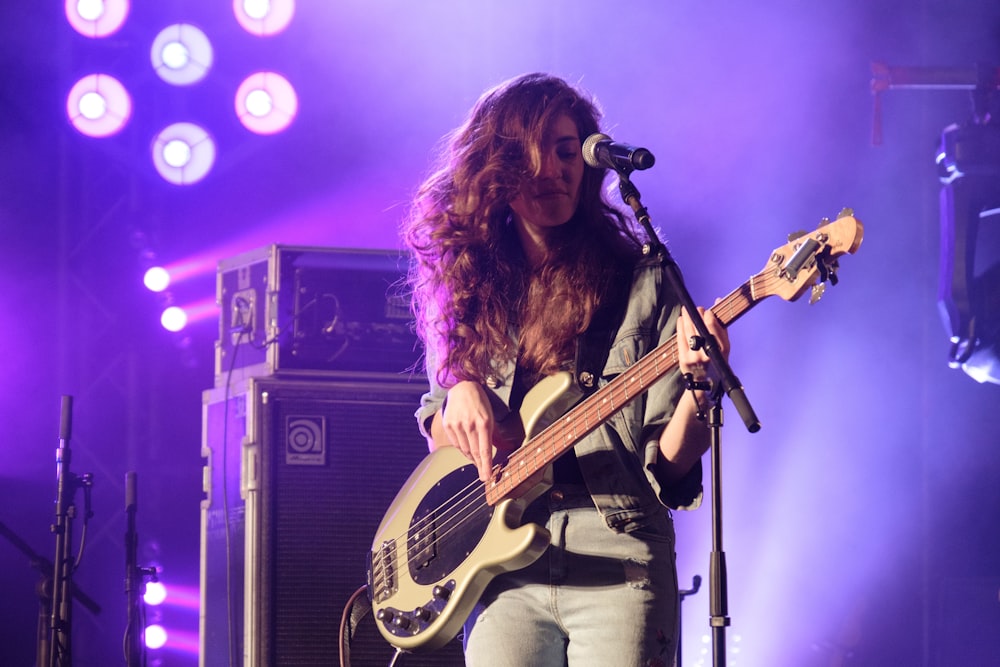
point(551, 199)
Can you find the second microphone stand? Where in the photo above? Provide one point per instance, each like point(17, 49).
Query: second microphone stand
point(58, 651)
point(730, 384)
point(135, 578)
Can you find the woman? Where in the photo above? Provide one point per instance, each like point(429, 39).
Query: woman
point(522, 269)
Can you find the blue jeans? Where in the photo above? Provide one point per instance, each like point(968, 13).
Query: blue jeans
point(594, 598)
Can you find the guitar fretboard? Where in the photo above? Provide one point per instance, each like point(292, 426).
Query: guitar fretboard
point(590, 413)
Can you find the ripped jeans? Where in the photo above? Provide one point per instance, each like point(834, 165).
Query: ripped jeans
point(594, 598)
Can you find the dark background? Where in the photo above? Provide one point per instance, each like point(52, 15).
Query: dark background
point(862, 516)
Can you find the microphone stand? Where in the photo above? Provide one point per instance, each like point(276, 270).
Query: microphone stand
point(730, 384)
point(135, 578)
point(44, 590)
point(60, 652)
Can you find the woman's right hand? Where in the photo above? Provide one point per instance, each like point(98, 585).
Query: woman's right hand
point(467, 419)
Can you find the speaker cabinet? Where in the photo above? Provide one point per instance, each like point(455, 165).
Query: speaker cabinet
point(298, 475)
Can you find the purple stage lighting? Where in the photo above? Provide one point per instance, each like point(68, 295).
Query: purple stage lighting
point(181, 54)
point(156, 636)
point(96, 18)
point(264, 17)
point(98, 105)
point(183, 153)
point(174, 318)
point(156, 593)
point(156, 279)
point(266, 103)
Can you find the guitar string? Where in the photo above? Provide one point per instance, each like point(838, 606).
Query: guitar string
point(727, 309)
point(733, 304)
point(451, 518)
point(443, 513)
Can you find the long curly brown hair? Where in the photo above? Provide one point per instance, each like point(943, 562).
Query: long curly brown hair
point(477, 302)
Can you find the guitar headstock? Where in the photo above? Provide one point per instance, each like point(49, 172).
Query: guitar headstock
point(810, 260)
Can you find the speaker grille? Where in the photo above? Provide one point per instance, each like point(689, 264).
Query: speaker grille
point(336, 455)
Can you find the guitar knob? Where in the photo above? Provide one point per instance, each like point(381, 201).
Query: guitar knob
point(441, 593)
point(402, 622)
point(385, 615)
point(423, 614)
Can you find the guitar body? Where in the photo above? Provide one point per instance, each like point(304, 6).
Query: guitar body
point(441, 542)
point(446, 534)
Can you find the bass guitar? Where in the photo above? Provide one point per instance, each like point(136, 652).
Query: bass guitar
point(447, 534)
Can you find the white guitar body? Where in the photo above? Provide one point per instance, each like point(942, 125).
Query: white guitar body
point(441, 542)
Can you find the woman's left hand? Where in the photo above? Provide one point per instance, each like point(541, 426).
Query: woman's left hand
point(696, 361)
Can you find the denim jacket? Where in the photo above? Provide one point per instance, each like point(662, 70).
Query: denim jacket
point(618, 459)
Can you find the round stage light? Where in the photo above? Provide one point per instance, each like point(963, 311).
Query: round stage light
point(173, 318)
point(156, 636)
point(98, 105)
point(266, 103)
point(93, 105)
point(177, 153)
point(96, 18)
point(156, 279)
point(181, 54)
point(183, 153)
point(264, 17)
point(155, 593)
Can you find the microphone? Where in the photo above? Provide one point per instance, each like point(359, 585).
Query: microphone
point(600, 151)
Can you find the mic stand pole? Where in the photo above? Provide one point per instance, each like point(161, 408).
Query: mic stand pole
point(133, 631)
point(728, 383)
point(135, 578)
point(44, 590)
point(60, 626)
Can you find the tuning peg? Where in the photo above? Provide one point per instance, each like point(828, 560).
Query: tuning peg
point(845, 212)
point(816, 293)
point(824, 270)
point(795, 236)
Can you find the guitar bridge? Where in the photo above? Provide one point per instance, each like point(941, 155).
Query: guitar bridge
point(382, 574)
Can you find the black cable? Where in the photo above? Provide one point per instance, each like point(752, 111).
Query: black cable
point(230, 630)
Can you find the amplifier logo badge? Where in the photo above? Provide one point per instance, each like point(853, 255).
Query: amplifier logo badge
point(305, 441)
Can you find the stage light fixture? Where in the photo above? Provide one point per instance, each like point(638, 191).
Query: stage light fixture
point(176, 153)
point(96, 18)
point(173, 319)
point(156, 636)
point(264, 17)
point(98, 105)
point(177, 318)
point(266, 103)
point(181, 54)
point(156, 593)
point(183, 153)
point(93, 105)
point(156, 279)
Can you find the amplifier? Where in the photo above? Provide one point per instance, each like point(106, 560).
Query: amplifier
point(298, 475)
point(298, 310)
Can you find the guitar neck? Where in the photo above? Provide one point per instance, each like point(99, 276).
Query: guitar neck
point(541, 450)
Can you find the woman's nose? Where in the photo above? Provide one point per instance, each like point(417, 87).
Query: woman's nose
point(551, 167)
